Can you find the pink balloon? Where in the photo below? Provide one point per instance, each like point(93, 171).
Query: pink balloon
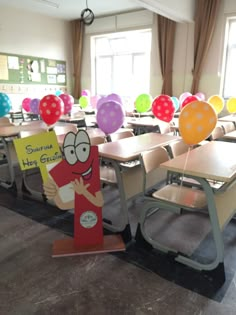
point(183, 96)
point(200, 96)
point(110, 117)
point(85, 93)
point(26, 104)
point(68, 102)
point(93, 100)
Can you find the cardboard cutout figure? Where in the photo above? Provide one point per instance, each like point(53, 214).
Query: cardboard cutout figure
point(78, 173)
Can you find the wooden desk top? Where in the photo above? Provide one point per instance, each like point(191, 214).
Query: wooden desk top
point(128, 149)
point(10, 131)
point(230, 135)
point(231, 117)
point(143, 121)
point(214, 160)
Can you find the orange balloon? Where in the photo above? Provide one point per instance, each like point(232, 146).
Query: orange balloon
point(196, 122)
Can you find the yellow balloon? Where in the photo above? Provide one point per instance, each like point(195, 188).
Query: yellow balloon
point(196, 122)
point(231, 105)
point(217, 103)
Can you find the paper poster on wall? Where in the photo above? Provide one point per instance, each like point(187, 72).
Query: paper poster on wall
point(52, 78)
point(61, 78)
point(52, 63)
point(13, 62)
point(36, 77)
point(3, 68)
point(61, 68)
point(42, 66)
point(51, 70)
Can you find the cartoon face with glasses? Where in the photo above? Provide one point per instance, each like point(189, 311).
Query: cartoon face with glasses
point(78, 173)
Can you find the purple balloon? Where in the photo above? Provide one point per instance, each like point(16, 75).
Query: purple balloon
point(115, 97)
point(34, 105)
point(101, 101)
point(111, 97)
point(110, 117)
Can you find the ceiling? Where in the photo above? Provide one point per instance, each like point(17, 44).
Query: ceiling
point(181, 10)
point(71, 9)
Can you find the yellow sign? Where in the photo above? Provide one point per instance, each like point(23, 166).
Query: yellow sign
point(38, 151)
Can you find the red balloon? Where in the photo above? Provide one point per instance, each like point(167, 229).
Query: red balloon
point(189, 99)
point(50, 109)
point(163, 108)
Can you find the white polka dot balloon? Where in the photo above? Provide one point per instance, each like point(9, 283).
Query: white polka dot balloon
point(50, 109)
point(196, 122)
point(110, 116)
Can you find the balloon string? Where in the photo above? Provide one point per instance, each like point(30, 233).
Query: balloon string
point(185, 164)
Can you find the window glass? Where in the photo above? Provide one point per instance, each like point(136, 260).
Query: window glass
point(122, 63)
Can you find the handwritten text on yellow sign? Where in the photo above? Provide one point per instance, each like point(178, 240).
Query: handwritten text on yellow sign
point(37, 150)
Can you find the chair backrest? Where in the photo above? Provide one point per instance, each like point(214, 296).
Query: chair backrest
point(150, 162)
point(97, 140)
point(228, 126)
point(217, 133)
point(121, 135)
point(177, 148)
point(63, 129)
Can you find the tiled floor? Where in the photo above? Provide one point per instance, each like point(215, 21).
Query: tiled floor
point(32, 282)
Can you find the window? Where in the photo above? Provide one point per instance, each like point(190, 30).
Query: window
point(229, 63)
point(121, 63)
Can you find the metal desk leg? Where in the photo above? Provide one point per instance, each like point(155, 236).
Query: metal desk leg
point(124, 228)
point(217, 265)
point(12, 182)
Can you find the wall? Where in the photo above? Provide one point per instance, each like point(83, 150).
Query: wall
point(35, 35)
point(210, 82)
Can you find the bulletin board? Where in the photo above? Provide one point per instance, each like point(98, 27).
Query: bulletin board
point(20, 69)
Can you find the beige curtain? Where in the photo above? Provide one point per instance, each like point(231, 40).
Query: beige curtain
point(77, 46)
point(205, 19)
point(166, 40)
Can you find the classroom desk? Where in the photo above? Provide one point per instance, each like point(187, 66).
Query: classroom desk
point(213, 161)
point(129, 180)
point(143, 124)
point(92, 132)
point(230, 136)
point(7, 133)
point(228, 118)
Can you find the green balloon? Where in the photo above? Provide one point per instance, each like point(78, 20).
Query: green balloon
point(84, 101)
point(143, 103)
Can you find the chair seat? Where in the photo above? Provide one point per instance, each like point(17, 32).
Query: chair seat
point(181, 195)
point(108, 174)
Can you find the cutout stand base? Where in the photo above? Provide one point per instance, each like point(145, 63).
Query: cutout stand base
point(65, 247)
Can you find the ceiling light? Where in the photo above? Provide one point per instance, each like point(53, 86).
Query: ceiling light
point(48, 3)
point(87, 15)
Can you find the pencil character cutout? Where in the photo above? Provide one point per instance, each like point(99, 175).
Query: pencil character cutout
point(79, 173)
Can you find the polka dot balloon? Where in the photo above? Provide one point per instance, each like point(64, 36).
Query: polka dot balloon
point(110, 117)
point(50, 109)
point(68, 102)
point(5, 104)
point(196, 122)
point(163, 108)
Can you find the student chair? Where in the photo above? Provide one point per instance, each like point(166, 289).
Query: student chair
point(170, 197)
